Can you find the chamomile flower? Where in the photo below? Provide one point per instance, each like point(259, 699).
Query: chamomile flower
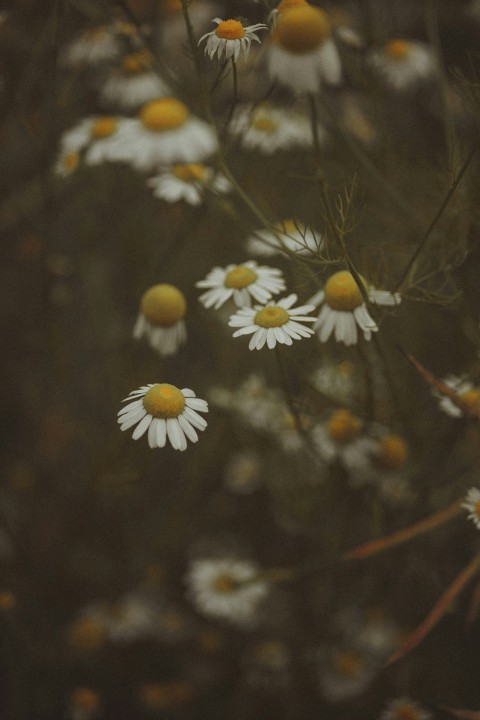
point(229, 38)
point(404, 709)
point(269, 129)
point(97, 137)
point(243, 472)
point(225, 588)
point(466, 391)
point(333, 437)
point(302, 54)
point(133, 616)
point(344, 308)
point(84, 704)
point(241, 283)
point(472, 504)
point(162, 309)
point(287, 236)
point(188, 182)
point(273, 323)
point(402, 64)
point(96, 45)
point(67, 163)
point(133, 82)
point(344, 672)
point(166, 412)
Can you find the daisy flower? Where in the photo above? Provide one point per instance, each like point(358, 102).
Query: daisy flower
point(230, 37)
point(403, 63)
point(101, 138)
point(472, 504)
point(84, 704)
point(166, 412)
point(302, 53)
point(337, 381)
point(466, 391)
point(133, 616)
point(404, 709)
point(133, 82)
point(333, 437)
point(273, 323)
point(188, 182)
point(67, 163)
point(344, 308)
point(269, 129)
point(344, 672)
point(99, 44)
point(162, 309)
point(224, 588)
point(241, 283)
point(288, 235)
point(243, 472)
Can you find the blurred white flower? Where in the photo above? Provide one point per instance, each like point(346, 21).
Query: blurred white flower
point(402, 64)
point(270, 129)
point(133, 82)
point(287, 236)
point(472, 504)
point(160, 320)
point(404, 709)
point(188, 182)
point(344, 672)
point(336, 435)
point(132, 617)
point(241, 283)
point(466, 391)
point(166, 412)
point(96, 45)
point(243, 472)
point(229, 38)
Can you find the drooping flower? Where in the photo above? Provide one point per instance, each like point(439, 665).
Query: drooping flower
point(343, 308)
point(162, 309)
point(229, 38)
point(273, 323)
point(188, 182)
point(133, 82)
point(166, 412)
point(241, 283)
point(472, 504)
point(402, 64)
point(287, 236)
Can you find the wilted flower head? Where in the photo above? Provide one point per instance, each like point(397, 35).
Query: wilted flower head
point(229, 38)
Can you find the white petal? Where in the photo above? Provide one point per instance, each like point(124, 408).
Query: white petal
point(142, 427)
point(161, 433)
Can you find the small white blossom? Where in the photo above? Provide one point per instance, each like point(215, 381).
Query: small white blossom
point(229, 38)
point(241, 283)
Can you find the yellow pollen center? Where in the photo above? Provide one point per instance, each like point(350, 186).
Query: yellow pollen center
point(85, 699)
point(405, 712)
point(230, 30)
point(264, 124)
point(70, 161)
point(342, 426)
point(477, 507)
point(7, 600)
point(342, 292)
point(271, 317)
point(224, 584)
point(397, 49)
point(163, 114)
point(190, 173)
point(137, 62)
point(393, 453)
point(164, 401)
point(87, 634)
point(472, 397)
point(348, 664)
point(289, 227)
point(289, 4)
point(103, 127)
point(302, 29)
point(240, 277)
point(163, 305)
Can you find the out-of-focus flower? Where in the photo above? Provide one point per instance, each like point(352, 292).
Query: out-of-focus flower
point(273, 323)
point(253, 401)
point(188, 182)
point(404, 709)
point(344, 308)
point(243, 472)
point(241, 283)
point(229, 38)
point(171, 30)
point(132, 617)
point(302, 54)
point(167, 695)
point(88, 632)
point(335, 380)
point(84, 704)
point(402, 64)
point(67, 163)
point(166, 412)
point(466, 391)
point(287, 236)
point(344, 672)
point(87, 131)
point(225, 588)
point(270, 129)
point(133, 82)
point(97, 45)
point(268, 665)
point(332, 438)
point(7, 601)
point(472, 504)
point(160, 320)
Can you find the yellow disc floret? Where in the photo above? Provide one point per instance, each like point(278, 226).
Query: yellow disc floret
point(302, 29)
point(271, 316)
point(171, 7)
point(163, 305)
point(230, 30)
point(264, 124)
point(137, 62)
point(342, 292)
point(285, 5)
point(348, 663)
point(163, 114)
point(190, 172)
point(7, 600)
point(70, 161)
point(224, 584)
point(103, 127)
point(289, 227)
point(164, 401)
point(87, 634)
point(343, 426)
point(472, 397)
point(392, 453)
point(405, 711)
point(397, 49)
point(240, 277)
point(85, 699)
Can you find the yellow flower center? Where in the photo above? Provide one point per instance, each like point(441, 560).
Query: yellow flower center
point(164, 401)
point(271, 316)
point(87, 634)
point(285, 5)
point(7, 600)
point(472, 397)
point(289, 227)
point(264, 124)
point(393, 453)
point(397, 49)
point(348, 663)
point(225, 584)
point(190, 173)
point(164, 114)
point(70, 161)
point(171, 7)
point(477, 507)
point(137, 62)
point(342, 292)
point(343, 426)
point(230, 30)
point(85, 699)
point(103, 127)
point(240, 277)
point(163, 305)
point(405, 712)
point(302, 29)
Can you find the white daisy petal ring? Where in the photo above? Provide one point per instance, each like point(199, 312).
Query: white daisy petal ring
point(242, 283)
point(230, 37)
point(166, 412)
